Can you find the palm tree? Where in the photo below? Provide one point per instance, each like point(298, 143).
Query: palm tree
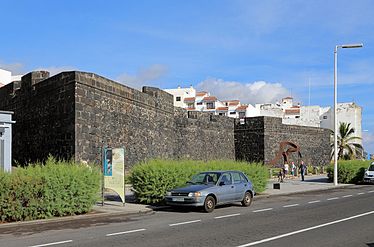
point(347, 147)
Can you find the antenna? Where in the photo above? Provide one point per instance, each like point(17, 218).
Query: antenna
point(309, 92)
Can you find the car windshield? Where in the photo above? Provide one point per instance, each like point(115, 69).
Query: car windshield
point(371, 168)
point(205, 178)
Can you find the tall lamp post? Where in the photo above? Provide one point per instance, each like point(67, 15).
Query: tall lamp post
point(335, 105)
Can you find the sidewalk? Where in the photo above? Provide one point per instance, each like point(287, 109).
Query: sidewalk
point(114, 207)
point(295, 185)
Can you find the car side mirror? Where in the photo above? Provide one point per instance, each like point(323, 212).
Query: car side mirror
point(221, 183)
point(366, 170)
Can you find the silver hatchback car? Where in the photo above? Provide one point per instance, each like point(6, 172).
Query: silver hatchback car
point(208, 189)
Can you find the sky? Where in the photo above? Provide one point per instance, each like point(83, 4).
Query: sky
point(254, 51)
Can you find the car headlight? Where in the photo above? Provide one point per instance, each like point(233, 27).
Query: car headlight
point(168, 193)
point(366, 174)
point(194, 194)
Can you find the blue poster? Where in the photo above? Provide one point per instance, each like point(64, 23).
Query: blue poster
point(108, 162)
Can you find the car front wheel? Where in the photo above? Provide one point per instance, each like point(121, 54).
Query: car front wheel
point(209, 204)
point(247, 200)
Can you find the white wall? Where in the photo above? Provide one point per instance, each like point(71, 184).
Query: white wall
point(182, 93)
point(5, 77)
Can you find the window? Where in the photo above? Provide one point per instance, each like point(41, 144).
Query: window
point(324, 117)
point(238, 178)
point(241, 114)
point(232, 113)
point(226, 178)
point(243, 178)
point(190, 105)
point(210, 105)
point(221, 114)
point(199, 103)
point(297, 116)
point(178, 98)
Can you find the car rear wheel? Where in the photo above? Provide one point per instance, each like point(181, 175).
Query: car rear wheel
point(247, 200)
point(209, 204)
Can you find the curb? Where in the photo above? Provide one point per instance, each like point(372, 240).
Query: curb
point(91, 215)
point(262, 196)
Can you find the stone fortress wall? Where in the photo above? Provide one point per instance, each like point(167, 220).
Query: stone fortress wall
point(75, 114)
point(258, 139)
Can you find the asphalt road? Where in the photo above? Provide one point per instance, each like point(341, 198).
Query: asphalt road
point(341, 217)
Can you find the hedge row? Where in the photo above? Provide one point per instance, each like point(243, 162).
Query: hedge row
point(349, 171)
point(151, 180)
point(57, 188)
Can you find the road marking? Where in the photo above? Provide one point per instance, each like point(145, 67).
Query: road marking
point(361, 193)
point(291, 205)
point(262, 210)
point(314, 201)
point(120, 233)
point(333, 198)
point(371, 191)
point(225, 216)
point(347, 196)
point(304, 230)
point(54, 243)
point(183, 223)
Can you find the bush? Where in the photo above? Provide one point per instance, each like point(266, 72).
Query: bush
point(349, 171)
point(58, 188)
point(151, 180)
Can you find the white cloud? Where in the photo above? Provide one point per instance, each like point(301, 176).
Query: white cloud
point(19, 68)
point(54, 70)
point(250, 93)
point(143, 76)
point(15, 68)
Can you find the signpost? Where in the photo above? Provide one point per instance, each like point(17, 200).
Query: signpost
point(114, 171)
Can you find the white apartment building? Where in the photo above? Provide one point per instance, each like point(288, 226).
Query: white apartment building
point(7, 77)
point(314, 116)
point(346, 112)
point(191, 100)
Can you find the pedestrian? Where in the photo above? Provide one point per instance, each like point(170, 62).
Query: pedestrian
point(293, 168)
point(302, 169)
point(280, 175)
point(286, 168)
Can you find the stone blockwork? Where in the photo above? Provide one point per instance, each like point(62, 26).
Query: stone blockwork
point(44, 110)
point(206, 136)
point(74, 114)
point(258, 139)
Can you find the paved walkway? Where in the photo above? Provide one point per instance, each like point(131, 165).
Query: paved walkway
point(295, 185)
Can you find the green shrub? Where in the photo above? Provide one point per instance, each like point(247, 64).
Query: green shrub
point(349, 171)
point(152, 179)
point(57, 188)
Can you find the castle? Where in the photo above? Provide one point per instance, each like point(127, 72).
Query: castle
point(73, 115)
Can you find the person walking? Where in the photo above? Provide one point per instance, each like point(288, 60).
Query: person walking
point(302, 169)
point(286, 168)
point(293, 169)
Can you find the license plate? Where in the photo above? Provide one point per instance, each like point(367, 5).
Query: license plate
point(178, 199)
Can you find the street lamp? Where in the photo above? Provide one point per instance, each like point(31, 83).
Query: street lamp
point(335, 106)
